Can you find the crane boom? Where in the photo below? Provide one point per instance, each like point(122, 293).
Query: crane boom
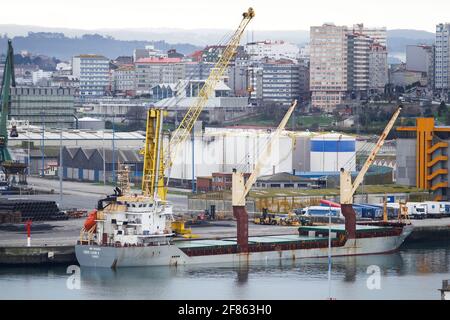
point(8, 81)
point(185, 127)
point(266, 151)
point(348, 188)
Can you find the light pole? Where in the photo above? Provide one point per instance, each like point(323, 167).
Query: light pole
point(60, 168)
point(104, 161)
point(113, 149)
point(43, 145)
point(29, 141)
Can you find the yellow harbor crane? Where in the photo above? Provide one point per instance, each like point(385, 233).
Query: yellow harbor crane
point(348, 188)
point(157, 160)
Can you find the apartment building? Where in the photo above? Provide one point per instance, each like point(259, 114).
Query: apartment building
point(153, 71)
point(341, 60)
point(93, 72)
point(421, 58)
point(328, 65)
point(378, 68)
point(278, 81)
point(359, 46)
point(274, 50)
point(442, 57)
point(124, 79)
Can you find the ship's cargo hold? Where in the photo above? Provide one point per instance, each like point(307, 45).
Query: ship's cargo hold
point(35, 210)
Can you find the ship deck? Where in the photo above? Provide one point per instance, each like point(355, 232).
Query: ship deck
point(275, 239)
point(341, 228)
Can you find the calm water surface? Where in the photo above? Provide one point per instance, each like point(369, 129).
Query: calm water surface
point(415, 272)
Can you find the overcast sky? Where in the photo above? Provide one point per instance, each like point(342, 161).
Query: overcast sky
point(192, 14)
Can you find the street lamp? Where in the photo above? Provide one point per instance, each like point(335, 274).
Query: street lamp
point(43, 145)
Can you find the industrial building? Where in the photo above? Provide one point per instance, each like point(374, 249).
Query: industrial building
point(45, 106)
point(422, 157)
point(222, 149)
point(36, 137)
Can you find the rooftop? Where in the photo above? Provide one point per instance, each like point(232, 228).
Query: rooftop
point(159, 60)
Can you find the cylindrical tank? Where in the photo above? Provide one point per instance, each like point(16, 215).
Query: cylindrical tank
point(89, 123)
point(332, 151)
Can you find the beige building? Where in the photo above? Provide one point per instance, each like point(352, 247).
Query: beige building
point(153, 71)
point(341, 61)
point(124, 79)
point(378, 68)
point(328, 66)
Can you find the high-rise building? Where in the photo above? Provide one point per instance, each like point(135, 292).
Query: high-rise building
point(278, 81)
point(442, 57)
point(378, 68)
point(328, 65)
point(379, 35)
point(93, 72)
point(421, 58)
point(340, 62)
point(358, 63)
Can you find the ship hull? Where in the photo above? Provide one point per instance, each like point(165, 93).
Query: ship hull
point(171, 255)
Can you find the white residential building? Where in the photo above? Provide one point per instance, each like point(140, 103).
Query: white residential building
point(41, 74)
point(93, 72)
point(273, 50)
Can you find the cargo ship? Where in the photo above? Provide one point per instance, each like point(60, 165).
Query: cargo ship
point(130, 230)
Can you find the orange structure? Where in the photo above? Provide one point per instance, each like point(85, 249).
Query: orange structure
point(431, 155)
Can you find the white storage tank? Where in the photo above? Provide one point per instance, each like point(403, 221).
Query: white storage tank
point(89, 123)
point(332, 151)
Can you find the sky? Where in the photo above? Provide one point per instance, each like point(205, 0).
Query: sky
point(224, 14)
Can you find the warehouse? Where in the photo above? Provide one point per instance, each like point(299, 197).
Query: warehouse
point(91, 164)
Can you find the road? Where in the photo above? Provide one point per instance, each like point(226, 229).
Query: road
point(85, 195)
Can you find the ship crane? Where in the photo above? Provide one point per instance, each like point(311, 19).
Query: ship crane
point(240, 190)
point(157, 161)
point(348, 188)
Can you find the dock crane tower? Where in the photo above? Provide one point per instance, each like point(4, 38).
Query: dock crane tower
point(156, 160)
point(7, 165)
point(240, 189)
point(8, 81)
point(348, 188)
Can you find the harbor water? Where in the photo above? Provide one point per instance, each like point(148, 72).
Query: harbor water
point(414, 272)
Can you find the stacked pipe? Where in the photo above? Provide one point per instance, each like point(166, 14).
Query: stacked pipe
point(35, 210)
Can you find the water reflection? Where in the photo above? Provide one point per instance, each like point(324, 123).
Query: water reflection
point(405, 273)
